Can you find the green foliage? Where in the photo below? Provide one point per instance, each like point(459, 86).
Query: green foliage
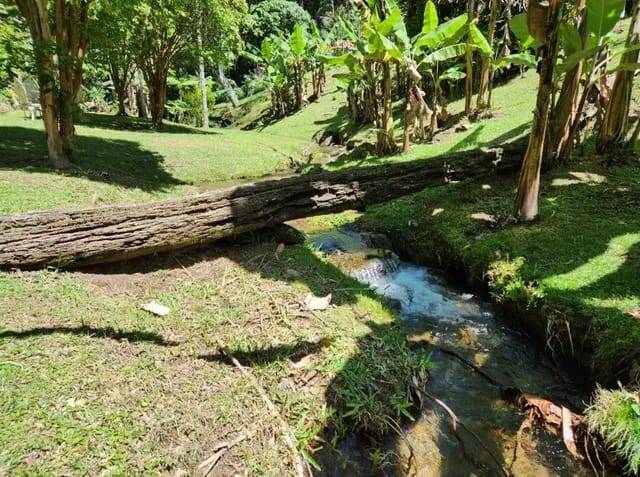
point(274, 18)
point(16, 58)
point(602, 16)
point(363, 403)
point(169, 26)
point(187, 108)
point(615, 415)
point(286, 60)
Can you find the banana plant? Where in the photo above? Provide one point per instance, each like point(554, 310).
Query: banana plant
point(383, 41)
point(318, 45)
point(298, 54)
point(286, 59)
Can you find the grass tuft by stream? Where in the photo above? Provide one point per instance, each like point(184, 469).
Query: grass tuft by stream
point(616, 415)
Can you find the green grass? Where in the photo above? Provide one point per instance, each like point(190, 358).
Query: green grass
point(616, 415)
point(121, 160)
point(91, 384)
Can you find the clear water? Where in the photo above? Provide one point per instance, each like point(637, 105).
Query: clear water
point(437, 312)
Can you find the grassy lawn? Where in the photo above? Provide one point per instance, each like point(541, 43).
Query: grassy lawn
point(121, 160)
point(91, 384)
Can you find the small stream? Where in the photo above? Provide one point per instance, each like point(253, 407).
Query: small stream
point(436, 311)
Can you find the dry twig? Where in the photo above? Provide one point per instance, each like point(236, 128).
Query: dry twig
point(287, 434)
point(219, 450)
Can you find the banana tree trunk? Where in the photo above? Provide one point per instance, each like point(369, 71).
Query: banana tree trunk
point(566, 108)
point(529, 182)
point(614, 127)
point(486, 72)
point(468, 86)
point(386, 141)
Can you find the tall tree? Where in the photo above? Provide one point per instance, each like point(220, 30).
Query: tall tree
point(164, 28)
point(113, 46)
point(202, 78)
point(59, 57)
point(615, 125)
point(529, 183)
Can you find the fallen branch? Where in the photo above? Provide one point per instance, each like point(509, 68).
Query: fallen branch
point(287, 434)
point(116, 233)
point(219, 450)
point(455, 421)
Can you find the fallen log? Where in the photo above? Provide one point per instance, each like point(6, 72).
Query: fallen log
point(116, 233)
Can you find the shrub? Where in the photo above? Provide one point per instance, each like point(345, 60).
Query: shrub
point(274, 17)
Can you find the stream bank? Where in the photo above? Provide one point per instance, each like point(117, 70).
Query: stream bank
point(475, 356)
point(570, 279)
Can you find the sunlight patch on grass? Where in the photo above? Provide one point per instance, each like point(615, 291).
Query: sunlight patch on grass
point(597, 267)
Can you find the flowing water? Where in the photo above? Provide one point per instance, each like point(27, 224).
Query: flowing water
point(437, 312)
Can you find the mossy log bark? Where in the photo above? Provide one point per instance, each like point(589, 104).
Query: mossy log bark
point(115, 233)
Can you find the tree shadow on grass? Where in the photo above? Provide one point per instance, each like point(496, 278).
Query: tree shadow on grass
point(111, 161)
point(91, 332)
point(134, 124)
point(377, 373)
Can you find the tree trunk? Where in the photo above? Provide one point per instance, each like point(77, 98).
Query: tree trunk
point(566, 109)
point(67, 127)
point(72, 19)
point(36, 15)
point(614, 127)
point(141, 97)
point(115, 233)
point(228, 87)
point(409, 116)
point(468, 85)
point(157, 84)
point(120, 79)
point(486, 72)
point(386, 141)
point(370, 96)
point(529, 183)
point(299, 85)
point(203, 81)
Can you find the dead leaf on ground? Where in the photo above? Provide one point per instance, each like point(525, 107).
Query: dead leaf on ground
point(156, 308)
point(634, 313)
point(315, 303)
point(304, 362)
